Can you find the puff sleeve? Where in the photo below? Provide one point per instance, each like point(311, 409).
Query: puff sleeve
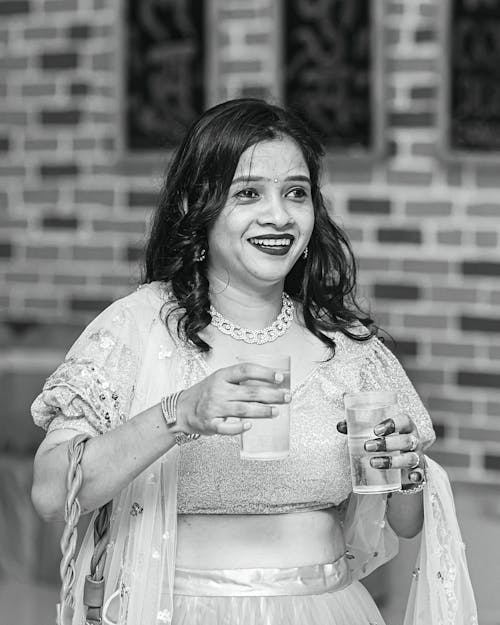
point(382, 370)
point(92, 390)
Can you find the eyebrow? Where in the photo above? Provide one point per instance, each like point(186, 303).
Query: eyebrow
point(297, 178)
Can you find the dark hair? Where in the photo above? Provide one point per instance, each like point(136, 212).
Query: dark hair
point(195, 193)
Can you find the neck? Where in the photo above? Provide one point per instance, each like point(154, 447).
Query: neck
point(244, 307)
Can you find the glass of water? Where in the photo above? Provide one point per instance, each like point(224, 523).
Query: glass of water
point(364, 410)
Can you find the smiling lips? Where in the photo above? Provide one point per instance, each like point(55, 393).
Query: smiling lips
point(273, 244)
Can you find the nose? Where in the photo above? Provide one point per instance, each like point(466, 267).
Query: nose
point(275, 211)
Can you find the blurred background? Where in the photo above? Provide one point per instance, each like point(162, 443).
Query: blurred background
point(95, 94)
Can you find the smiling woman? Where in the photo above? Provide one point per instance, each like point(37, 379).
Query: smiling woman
point(244, 264)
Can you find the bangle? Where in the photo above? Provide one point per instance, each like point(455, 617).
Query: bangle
point(182, 437)
point(411, 490)
point(169, 408)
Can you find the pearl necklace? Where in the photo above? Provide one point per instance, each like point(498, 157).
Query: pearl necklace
point(266, 335)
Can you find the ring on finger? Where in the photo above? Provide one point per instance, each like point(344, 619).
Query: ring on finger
point(416, 475)
point(413, 442)
point(416, 461)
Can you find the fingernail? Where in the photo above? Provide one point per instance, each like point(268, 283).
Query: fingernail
point(287, 398)
point(371, 446)
point(386, 427)
point(379, 429)
point(247, 426)
point(378, 463)
point(278, 376)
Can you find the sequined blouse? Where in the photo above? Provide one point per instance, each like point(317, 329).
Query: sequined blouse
point(98, 387)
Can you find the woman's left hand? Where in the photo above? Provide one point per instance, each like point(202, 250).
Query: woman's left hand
point(393, 435)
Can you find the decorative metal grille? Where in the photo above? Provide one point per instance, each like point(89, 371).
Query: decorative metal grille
point(474, 103)
point(164, 71)
point(328, 68)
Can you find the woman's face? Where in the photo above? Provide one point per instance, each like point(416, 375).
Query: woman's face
point(268, 217)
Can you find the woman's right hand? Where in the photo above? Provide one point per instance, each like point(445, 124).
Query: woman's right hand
point(217, 404)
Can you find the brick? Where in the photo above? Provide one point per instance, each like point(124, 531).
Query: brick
point(371, 263)
point(79, 31)
point(257, 39)
point(47, 144)
point(22, 277)
point(10, 171)
point(348, 171)
point(428, 10)
point(392, 36)
point(59, 60)
point(255, 91)
point(392, 148)
point(425, 35)
point(411, 65)
point(14, 118)
point(60, 223)
point(238, 13)
point(494, 352)
point(428, 209)
point(481, 268)
point(426, 321)
point(101, 197)
point(449, 458)
point(43, 303)
point(88, 304)
point(42, 252)
point(6, 249)
point(68, 170)
point(439, 430)
point(41, 196)
point(85, 143)
point(425, 376)
point(57, 6)
point(103, 61)
point(492, 462)
point(71, 279)
point(40, 32)
point(112, 225)
point(411, 120)
point(368, 206)
point(449, 237)
point(14, 7)
point(410, 178)
point(354, 234)
point(480, 379)
point(4, 144)
point(423, 93)
point(486, 239)
point(448, 404)
point(480, 324)
point(493, 408)
point(399, 235)
point(13, 63)
point(396, 291)
point(454, 174)
point(142, 198)
point(240, 67)
point(79, 88)
point(479, 434)
point(450, 294)
point(404, 347)
point(123, 282)
point(483, 210)
point(426, 266)
point(487, 176)
point(134, 254)
point(38, 89)
point(423, 149)
point(88, 252)
point(4, 199)
point(68, 117)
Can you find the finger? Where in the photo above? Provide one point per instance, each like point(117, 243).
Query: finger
point(403, 461)
point(342, 427)
point(229, 427)
point(263, 394)
point(251, 410)
point(394, 442)
point(399, 423)
point(250, 371)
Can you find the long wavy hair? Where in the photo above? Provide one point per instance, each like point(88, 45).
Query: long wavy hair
point(194, 194)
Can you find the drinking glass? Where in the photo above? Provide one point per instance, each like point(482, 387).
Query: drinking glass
point(269, 438)
point(364, 410)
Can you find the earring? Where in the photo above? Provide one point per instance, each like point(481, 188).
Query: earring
point(199, 258)
point(305, 252)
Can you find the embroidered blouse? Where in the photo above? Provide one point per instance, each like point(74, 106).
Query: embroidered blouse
point(96, 386)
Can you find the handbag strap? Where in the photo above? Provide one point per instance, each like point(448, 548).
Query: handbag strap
point(93, 593)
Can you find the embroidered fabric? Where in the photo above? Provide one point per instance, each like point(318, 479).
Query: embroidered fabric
point(143, 362)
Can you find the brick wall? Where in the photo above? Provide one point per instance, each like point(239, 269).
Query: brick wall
point(74, 211)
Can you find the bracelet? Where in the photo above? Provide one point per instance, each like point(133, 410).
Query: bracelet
point(412, 489)
point(169, 410)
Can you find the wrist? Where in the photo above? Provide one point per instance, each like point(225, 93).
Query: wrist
point(174, 413)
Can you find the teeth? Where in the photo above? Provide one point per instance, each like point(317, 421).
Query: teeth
point(272, 242)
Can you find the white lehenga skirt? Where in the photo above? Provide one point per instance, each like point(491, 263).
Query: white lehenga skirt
point(322, 594)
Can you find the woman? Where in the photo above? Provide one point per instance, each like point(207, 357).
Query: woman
point(199, 535)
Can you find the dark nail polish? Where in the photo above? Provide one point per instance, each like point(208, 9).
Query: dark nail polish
point(379, 463)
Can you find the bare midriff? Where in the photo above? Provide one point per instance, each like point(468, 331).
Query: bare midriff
point(227, 541)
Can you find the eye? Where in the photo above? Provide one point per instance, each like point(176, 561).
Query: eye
point(247, 194)
point(298, 193)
